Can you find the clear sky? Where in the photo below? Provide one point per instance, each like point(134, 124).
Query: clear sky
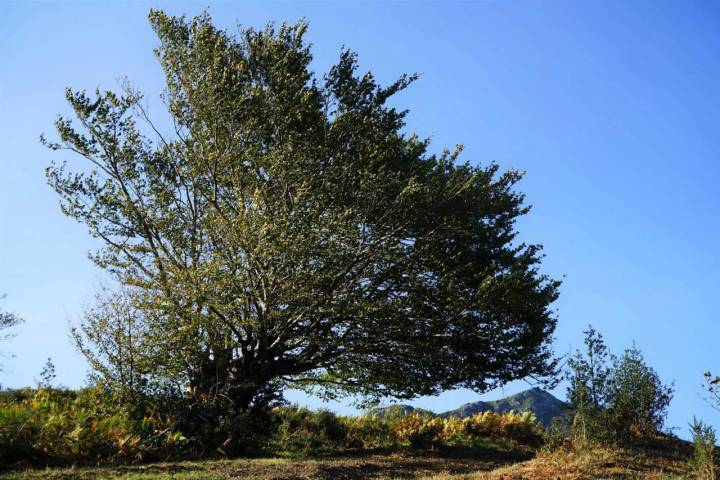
point(612, 108)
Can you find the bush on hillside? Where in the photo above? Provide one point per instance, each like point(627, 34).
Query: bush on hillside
point(300, 431)
point(424, 431)
point(614, 398)
point(637, 400)
point(51, 426)
point(418, 430)
point(702, 462)
point(370, 432)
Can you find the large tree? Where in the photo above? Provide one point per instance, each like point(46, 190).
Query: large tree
point(285, 229)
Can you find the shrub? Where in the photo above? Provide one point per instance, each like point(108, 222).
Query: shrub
point(418, 430)
point(614, 401)
point(61, 426)
point(559, 433)
point(637, 398)
point(370, 432)
point(702, 462)
point(423, 431)
point(520, 427)
point(300, 431)
point(50, 426)
point(588, 375)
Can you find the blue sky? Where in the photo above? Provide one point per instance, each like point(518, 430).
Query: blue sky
point(611, 107)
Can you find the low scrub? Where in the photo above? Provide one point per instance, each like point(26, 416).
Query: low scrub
point(614, 398)
point(301, 431)
point(702, 461)
point(51, 427)
point(61, 426)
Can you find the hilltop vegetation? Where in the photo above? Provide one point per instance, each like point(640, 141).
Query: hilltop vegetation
point(666, 460)
point(288, 232)
point(50, 426)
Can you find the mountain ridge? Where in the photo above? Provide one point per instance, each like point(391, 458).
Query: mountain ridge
point(543, 404)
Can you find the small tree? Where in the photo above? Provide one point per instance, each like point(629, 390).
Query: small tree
point(47, 375)
point(614, 397)
point(588, 375)
point(702, 461)
point(589, 371)
point(637, 399)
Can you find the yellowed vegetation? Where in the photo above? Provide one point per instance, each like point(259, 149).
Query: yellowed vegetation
point(418, 429)
point(664, 459)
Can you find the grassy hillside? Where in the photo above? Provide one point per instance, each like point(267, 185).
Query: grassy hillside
point(373, 466)
point(66, 430)
point(664, 458)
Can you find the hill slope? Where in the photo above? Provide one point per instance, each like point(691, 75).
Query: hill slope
point(543, 404)
point(666, 459)
point(397, 410)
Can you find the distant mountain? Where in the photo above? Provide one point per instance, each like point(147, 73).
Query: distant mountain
point(398, 410)
point(469, 409)
point(543, 404)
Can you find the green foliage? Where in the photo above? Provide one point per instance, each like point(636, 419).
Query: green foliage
point(560, 433)
point(589, 374)
point(614, 398)
point(51, 426)
point(286, 231)
point(47, 375)
point(120, 347)
point(702, 461)
point(300, 431)
point(418, 430)
point(370, 432)
point(637, 399)
point(61, 426)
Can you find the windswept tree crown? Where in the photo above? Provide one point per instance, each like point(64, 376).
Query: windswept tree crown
point(286, 229)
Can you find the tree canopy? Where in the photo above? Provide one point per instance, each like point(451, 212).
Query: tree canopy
point(285, 229)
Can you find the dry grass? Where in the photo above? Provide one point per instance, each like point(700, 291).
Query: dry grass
point(664, 458)
point(350, 468)
point(598, 463)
